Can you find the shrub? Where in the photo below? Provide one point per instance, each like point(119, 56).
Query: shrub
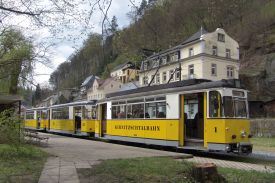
point(10, 128)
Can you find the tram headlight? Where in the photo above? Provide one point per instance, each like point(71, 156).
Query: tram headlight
point(228, 148)
point(234, 136)
point(243, 134)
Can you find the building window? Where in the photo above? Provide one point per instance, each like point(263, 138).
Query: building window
point(230, 72)
point(177, 75)
point(191, 71)
point(228, 53)
point(214, 69)
point(163, 60)
point(145, 66)
point(164, 78)
point(214, 50)
point(155, 63)
point(221, 37)
point(145, 80)
point(171, 75)
point(153, 79)
point(191, 52)
point(168, 58)
point(175, 56)
point(157, 78)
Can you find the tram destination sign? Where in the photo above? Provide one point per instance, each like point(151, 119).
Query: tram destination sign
point(137, 127)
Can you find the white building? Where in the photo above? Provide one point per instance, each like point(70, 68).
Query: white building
point(102, 87)
point(204, 55)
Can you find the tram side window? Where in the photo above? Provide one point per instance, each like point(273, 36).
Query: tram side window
point(135, 110)
point(29, 115)
point(214, 104)
point(44, 114)
point(240, 108)
point(89, 112)
point(155, 110)
point(60, 113)
point(161, 110)
point(119, 112)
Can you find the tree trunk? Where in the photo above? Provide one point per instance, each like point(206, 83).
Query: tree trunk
point(207, 172)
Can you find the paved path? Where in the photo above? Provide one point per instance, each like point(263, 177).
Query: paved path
point(72, 153)
point(232, 164)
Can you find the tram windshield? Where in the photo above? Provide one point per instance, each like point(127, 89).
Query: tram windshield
point(227, 106)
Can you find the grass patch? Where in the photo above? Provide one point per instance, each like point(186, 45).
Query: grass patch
point(156, 169)
point(21, 163)
point(236, 175)
point(160, 169)
point(263, 144)
point(263, 141)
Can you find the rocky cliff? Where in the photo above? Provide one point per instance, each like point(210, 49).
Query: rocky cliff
point(257, 71)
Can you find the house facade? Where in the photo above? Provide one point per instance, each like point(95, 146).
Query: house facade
point(126, 72)
point(204, 55)
point(102, 87)
point(87, 83)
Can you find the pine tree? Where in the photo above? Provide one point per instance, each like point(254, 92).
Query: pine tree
point(37, 94)
point(113, 26)
point(142, 8)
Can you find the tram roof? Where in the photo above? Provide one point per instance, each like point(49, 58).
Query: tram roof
point(38, 108)
point(78, 103)
point(185, 85)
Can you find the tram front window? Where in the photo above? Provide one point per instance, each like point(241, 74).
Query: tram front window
point(228, 106)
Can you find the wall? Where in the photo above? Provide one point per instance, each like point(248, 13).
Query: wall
point(263, 127)
point(221, 68)
point(197, 49)
point(211, 39)
point(197, 61)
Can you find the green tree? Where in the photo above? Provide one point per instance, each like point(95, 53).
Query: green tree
point(37, 94)
point(113, 26)
point(16, 55)
point(141, 9)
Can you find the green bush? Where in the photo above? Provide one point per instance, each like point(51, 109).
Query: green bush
point(10, 128)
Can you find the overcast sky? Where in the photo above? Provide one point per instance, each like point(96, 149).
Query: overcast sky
point(64, 48)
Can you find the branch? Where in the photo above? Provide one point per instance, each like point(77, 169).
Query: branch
point(102, 27)
point(20, 12)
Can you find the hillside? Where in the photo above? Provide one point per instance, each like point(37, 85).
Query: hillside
point(160, 24)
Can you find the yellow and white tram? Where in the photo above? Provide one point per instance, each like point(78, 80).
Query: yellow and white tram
point(77, 118)
point(199, 115)
point(37, 118)
point(192, 114)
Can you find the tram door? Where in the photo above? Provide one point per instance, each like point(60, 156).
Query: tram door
point(48, 117)
point(77, 119)
point(193, 118)
point(103, 117)
point(38, 113)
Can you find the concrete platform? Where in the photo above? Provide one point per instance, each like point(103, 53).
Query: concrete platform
point(70, 153)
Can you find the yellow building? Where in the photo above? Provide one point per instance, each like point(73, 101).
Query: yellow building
point(213, 56)
point(126, 72)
